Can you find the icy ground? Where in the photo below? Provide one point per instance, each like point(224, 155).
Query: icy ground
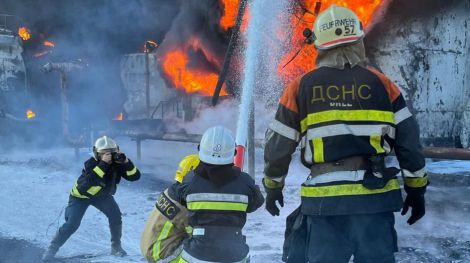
point(34, 188)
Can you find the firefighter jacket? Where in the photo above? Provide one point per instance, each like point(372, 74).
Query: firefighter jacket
point(167, 225)
point(335, 114)
point(165, 230)
point(99, 178)
point(218, 199)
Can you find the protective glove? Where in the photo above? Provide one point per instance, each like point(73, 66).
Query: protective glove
point(119, 157)
point(273, 195)
point(415, 200)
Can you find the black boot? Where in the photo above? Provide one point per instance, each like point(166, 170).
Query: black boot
point(116, 233)
point(49, 255)
point(58, 240)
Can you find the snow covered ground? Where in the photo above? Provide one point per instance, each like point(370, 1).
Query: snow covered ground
point(34, 188)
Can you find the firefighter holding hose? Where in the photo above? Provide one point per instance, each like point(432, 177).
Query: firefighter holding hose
point(347, 117)
point(218, 197)
point(96, 186)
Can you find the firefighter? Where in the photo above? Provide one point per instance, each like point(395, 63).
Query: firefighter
point(347, 117)
point(167, 225)
point(96, 186)
point(218, 196)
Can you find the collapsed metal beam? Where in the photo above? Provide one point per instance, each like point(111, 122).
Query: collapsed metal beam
point(229, 53)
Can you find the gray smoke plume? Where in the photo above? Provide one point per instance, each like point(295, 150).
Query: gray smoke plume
point(97, 32)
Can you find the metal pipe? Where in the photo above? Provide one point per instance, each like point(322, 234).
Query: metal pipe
point(63, 69)
point(138, 142)
point(447, 153)
point(147, 84)
point(229, 52)
point(251, 142)
point(65, 105)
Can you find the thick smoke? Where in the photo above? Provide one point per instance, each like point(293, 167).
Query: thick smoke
point(196, 30)
point(96, 32)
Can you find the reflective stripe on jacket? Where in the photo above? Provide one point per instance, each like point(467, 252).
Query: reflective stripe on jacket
point(334, 114)
point(100, 178)
point(165, 230)
point(217, 213)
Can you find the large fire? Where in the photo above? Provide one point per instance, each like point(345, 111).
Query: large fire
point(305, 61)
point(230, 12)
point(183, 74)
point(24, 33)
point(192, 79)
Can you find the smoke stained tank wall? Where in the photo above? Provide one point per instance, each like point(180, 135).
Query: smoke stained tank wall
point(424, 46)
point(466, 117)
point(133, 71)
point(12, 73)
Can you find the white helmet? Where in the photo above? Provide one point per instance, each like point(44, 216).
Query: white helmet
point(337, 26)
point(105, 144)
point(217, 146)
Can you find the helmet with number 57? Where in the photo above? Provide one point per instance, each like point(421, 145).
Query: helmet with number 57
point(217, 146)
point(337, 26)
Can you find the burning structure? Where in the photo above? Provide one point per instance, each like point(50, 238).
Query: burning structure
point(177, 77)
point(426, 53)
point(13, 85)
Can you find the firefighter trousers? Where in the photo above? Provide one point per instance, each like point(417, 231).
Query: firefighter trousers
point(75, 211)
point(370, 238)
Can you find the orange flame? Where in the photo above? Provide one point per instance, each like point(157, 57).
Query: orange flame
point(149, 46)
point(48, 43)
point(30, 114)
point(184, 75)
point(24, 33)
point(40, 54)
point(176, 65)
point(305, 61)
point(230, 11)
point(119, 117)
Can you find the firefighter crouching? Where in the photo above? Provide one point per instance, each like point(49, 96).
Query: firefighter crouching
point(96, 186)
point(347, 117)
point(217, 196)
point(167, 225)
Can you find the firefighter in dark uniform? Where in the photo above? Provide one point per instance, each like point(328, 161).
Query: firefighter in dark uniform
point(218, 196)
point(347, 117)
point(96, 186)
point(167, 226)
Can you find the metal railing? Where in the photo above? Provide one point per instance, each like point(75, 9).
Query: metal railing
point(10, 22)
point(164, 104)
